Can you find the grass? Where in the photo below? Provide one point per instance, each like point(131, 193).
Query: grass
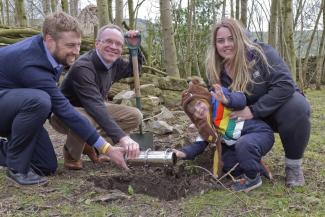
point(70, 194)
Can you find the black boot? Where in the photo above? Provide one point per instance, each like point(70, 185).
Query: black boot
point(3, 148)
point(30, 178)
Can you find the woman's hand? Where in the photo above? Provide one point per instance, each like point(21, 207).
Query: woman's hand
point(242, 115)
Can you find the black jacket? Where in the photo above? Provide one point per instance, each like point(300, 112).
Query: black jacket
point(272, 85)
point(87, 84)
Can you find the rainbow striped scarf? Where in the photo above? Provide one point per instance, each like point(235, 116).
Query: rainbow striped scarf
point(229, 128)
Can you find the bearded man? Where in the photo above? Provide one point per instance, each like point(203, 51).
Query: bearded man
point(29, 71)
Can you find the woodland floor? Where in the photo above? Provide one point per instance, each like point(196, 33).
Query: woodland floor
point(182, 190)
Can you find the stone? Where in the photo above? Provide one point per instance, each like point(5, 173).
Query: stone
point(117, 88)
point(124, 95)
point(159, 127)
point(177, 129)
point(171, 98)
point(165, 114)
point(171, 83)
point(150, 103)
point(149, 79)
point(149, 90)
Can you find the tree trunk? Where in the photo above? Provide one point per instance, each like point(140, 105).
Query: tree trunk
point(301, 74)
point(273, 24)
point(149, 41)
point(110, 10)
point(168, 38)
point(131, 14)
point(2, 20)
point(224, 4)
point(321, 53)
point(53, 5)
point(102, 12)
point(20, 13)
point(46, 7)
point(243, 12)
point(7, 13)
point(119, 12)
point(237, 9)
point(305, 65)
point(189, 41)
point(299, 8)
point(65, 6)
point(290, 55)
point(214, 13)
point(280, 43)
point(195, 52)
point(231, 8)
point(74, 9)
point(322, 79)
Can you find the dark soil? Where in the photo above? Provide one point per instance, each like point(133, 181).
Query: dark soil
point(163, 183)
point(172, 183)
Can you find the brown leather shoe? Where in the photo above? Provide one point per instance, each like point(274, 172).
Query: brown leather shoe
point(69, 162)
point(91, 152)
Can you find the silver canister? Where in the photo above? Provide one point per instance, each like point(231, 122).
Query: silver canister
point(155, 158)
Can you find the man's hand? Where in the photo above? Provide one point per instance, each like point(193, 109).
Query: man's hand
point(116, 154)
point(131, 147)
point(132, 37)
point(242, 115)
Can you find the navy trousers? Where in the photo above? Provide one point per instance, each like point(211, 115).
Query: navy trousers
point(256, 140)
point(22, 115)
point(292, 122)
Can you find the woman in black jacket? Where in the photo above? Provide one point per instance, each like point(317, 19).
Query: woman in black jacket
point(256, 69)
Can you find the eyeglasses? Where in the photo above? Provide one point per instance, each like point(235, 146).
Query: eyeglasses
point(111, 42)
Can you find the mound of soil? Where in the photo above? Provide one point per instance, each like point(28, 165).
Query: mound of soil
point(163, 183)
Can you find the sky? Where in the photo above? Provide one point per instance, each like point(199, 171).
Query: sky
point(148, 10)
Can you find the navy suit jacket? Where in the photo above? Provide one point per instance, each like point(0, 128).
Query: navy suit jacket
point(25, 65)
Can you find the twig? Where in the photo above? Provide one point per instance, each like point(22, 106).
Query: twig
point(154, 69)
point(152, 117)
point(228, 173)
point(215, 178)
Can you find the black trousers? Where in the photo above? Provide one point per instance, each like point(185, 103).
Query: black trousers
point(292, 122)
point(22, 115)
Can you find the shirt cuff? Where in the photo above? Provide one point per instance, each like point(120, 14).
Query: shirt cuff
point(101, 145)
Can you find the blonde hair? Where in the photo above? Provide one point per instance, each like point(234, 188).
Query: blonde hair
point(239, 64)
point(59, 22)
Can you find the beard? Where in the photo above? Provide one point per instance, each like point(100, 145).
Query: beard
point(64, 59)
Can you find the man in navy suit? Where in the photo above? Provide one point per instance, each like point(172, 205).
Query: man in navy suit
point(29, 71)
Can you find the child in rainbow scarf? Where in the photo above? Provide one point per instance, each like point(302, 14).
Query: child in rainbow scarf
point(243, 141)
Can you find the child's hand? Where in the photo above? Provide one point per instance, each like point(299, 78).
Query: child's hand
point(179, 154)
point(218, 94)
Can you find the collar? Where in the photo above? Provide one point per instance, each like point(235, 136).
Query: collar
point(53, 62)
point(107, 65)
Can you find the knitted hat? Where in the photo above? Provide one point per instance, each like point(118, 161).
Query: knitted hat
point(190, 97)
